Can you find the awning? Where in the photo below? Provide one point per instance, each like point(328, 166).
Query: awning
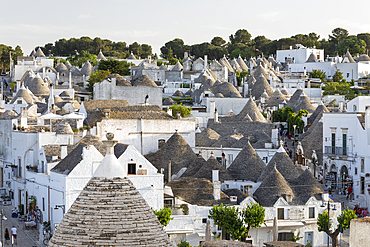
point(179, 231)
point(282, 223)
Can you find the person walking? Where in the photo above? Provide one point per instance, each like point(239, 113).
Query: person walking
point(14, 234)
point(6, 236)
point(349, 193)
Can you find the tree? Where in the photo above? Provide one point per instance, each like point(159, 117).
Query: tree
point(164, 215)
point(115, 66)
point(184, 111)
point(218, 41)
point(82, 57)
point(177, 46)
point(241, 36)
point(135, 48)
point(97, 76)
point(341, 88)
point(238, 222)
point(365, 37)
point(352, 44)
point(338, 76)
point(259, 42)
point(316, 73)
point(343, 219)
point(337, 35)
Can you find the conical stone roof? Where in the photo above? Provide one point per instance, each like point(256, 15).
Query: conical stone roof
point(39, 53)
point(260, 70)
point(68, 64)
point(251, 109)
point(101, 56)
point(132, 56)
point(319, 109)
point(349, 58)
point(285, 92)
point(305, 186)
point(177, 67)
point(61, 67)
point(176, 150)
point(212, 164)
point(364, 58)
point(247, 165)
point(110, 212)
point(276, 98)
point(273, 186)
point(178, 93)
point(260, 86)
point(242, 64)
point(283, 163)
point(64, 128)
point(38, 87)
point(168, 101)
point(22, 93)
point(311, 58)
point(295, 97)
point(303, 103)
point(206, 138)
point(87, 69)
point(235, 65)
point(194, 167)
point(144, 80)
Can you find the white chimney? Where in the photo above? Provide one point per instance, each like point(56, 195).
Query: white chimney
point(205, 62)
point(63, 151)
point(43, 72)
point(24, 117)
point(18, 85)
point(215, 175)
point(216, 116)
point(212, 107)
point(70, 79)
point(304, 71)
point(217, 190)
point(169, 171)
point(169, 111)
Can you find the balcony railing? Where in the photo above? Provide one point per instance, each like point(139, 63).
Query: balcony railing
point(336, 150)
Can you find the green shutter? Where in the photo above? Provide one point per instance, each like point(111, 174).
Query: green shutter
point(332, 143)
point(344, 144)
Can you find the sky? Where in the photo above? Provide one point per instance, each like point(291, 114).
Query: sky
point(35, 23)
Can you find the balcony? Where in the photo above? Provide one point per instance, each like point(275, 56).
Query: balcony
point(336, 150)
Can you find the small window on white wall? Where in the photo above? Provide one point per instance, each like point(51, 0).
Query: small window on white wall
point(354, 108)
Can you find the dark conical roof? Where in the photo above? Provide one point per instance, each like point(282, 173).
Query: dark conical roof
point(144, 80)
point(283, 163)
point(212, 164)
point(273, 186)
point(276, 98)
point(38, 87)
point(22, 93)
point(110, 212)
point(87, 69)
point(61, 67)
point(132, 56)
point(306, 186)
point(39, 53)
point(349, 58)
point(311, 58)
point(247, 165)
point(364, 58)
point(194, 167)
point(303, 103)
point(168, 101)
point(68, 64)
point(251, 109)
point(64, 128)
point(295, 97)
point(206, 138)
point(320, 108)
point(260, 86)
point(177, 67)
point(260, 70)
point(178, 93)
point(285, 92)
point(226, 89)
point(242, 64)
point(176, 150)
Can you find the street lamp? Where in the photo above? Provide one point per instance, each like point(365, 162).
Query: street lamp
point(63, 207)
point(322, 205)
point(2, 215)
point(294, 127)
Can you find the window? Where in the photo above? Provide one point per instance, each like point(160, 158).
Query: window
point(347, 75)
point(161, 143)
point(311, 213)
point(131, 169)
point(362, 185)
point(318, 57)
point(362, 164)
point(231, 158)
point(204, 220)
point(19, 101)
point(355, 170)
point(354, 108)
point(43, 204)
point(344, 144)
point(332, 143)
point(167, 202)
point(280, 213)
point(285, 236)
point(19, 167)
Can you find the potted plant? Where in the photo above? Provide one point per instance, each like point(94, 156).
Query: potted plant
point(185, 209)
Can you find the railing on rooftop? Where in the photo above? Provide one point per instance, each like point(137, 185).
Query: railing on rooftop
point(336, 150)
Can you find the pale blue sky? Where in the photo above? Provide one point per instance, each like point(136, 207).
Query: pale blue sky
point(32, 23)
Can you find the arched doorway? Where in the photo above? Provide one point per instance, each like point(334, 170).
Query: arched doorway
point(343, 178)
point(332, 181)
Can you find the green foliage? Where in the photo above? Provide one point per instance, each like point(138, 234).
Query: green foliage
point(316, 73)
point(5, 56)
point(240, 36)
point(83, 57)
point(296, 238)
point(177, 47)
point(164, 215)
point(338, 76)
point(341, 88)
point(184, 111)
point(218, 41)
point(308, 244)
point(56, 61)
point(286, 114)
point(343, 219)
point(185, 209)
point(115, 66)
point(353, 44)
point(97, 76)
point(237, 222)
point(183, 243)
point(240, 76)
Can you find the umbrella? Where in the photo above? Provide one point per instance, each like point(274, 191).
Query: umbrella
point(208, 231)
point(275, 230)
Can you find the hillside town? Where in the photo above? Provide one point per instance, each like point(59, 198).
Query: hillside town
point(262, 150)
